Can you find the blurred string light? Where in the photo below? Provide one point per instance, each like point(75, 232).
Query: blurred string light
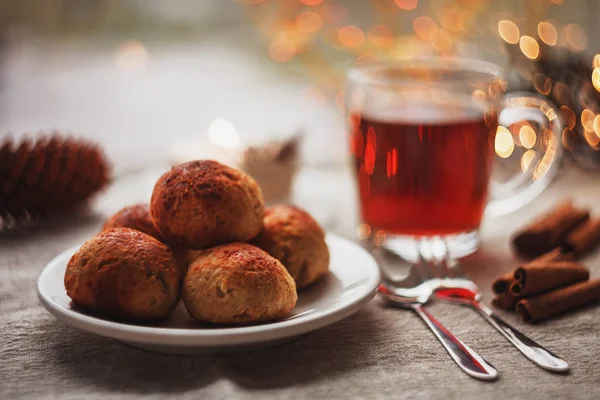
point(504, 143)
point(529, 46)
point(509, 31)
point(131, 56)
point(547, 33)
point(406, 4)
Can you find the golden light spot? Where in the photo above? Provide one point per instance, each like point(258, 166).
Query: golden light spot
point(542, 83)
point(379, 239)
point(529, 46)
point(596, 61)
point(450, 19)
point(591, 138)
point(282, 50)
point(574, 36)
point(425, 27)
point(363, 231)
point(568, 116)
point(406, 4)
point(526, 160)
point(504, 143)
point(597, 125)
point(312, 2)
point(527, 136)
point(381, 36)
point(131, 56)
point(547, 33)
point(366, 59)
point(442, 41)
point(419, 47)
point(509, 31)
point(309, 22)
point(596, 78)
point(587, 119)
point(557, 1)
point(351, 36)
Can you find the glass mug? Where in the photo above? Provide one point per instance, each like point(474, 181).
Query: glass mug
point(423, 141)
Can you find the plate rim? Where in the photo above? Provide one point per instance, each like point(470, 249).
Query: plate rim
point(209, 337)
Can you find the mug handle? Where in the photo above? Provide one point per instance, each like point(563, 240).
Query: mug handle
point(524, 187)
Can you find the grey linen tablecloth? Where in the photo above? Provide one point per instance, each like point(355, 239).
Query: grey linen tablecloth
point(378, 352)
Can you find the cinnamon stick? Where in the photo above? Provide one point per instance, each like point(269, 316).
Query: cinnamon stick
point(502, 283)
point(505, 301)
point(583, 238)
point(548, 231)
point(546, 305)
point(537, 277)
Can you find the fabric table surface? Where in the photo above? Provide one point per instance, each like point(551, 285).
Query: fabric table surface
point(377, 352)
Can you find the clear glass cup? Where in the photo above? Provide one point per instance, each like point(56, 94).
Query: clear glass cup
point(424, 135)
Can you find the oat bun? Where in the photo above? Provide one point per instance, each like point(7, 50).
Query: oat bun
point(293, 237)
point(238, 283)
point(200, 204)
point(122, 273)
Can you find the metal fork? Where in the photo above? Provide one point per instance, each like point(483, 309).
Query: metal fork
point(413, 292)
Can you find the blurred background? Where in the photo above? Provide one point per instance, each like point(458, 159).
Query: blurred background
point(156, 81)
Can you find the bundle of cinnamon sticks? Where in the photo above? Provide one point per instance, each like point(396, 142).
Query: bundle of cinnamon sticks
point(553, 281)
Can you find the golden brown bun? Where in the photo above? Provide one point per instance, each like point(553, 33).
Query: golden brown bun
point(293, 237)
point(125, 274)
point(238, 283)
point(138, 217)
point(204, 203)
point(135, 217)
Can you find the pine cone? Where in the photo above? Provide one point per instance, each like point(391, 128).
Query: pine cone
point(48, 176)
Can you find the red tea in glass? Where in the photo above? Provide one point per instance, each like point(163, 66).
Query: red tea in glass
point(422, 136)
point(423, 175)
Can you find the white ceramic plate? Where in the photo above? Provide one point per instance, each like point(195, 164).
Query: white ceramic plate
point(351, 283)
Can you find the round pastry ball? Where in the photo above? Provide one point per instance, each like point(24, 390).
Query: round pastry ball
point(124, 274)
point(204, 203)
point(238, 283)
point(138, 217)
point(293, 237)
point(135, 217)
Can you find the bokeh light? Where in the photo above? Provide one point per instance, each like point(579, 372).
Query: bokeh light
point(366, 59)
point(529, 46)
point(504, 143)
point(363, 231)
point(450, 19)
point(131, 56)
point(282, 50)
point(587, 119)
point(574, 36)
point(312, 2)
point(596, 61)
point(351, 36)
point(568, 116)
point(425, 27)
point(223, 133)
point(381, 36)
point(509, 31)
point(406, 4)
point(309, 22)
point(597, 125)
point(527, 136)
point(542, 84)
point(379, 238)
point(442, 41)
point(596, 78)
point(547, 33)
point(526, 160)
